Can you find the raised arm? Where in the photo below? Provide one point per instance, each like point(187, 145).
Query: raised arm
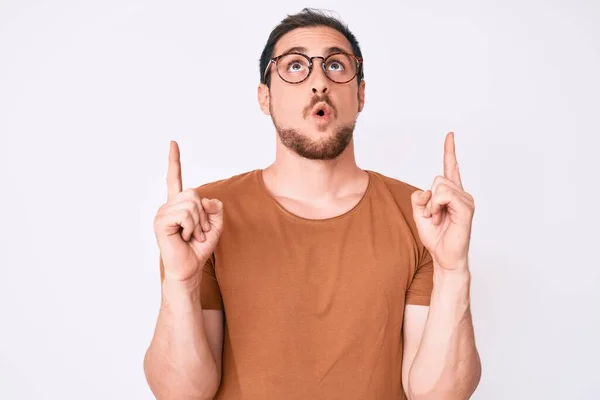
point(441, 358)
point(183, 360)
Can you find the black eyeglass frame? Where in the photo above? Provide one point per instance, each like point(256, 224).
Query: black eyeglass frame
point(274, 60)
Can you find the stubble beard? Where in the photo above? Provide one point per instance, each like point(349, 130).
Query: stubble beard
point(328, 148)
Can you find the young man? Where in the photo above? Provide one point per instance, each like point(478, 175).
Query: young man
point(313, 278)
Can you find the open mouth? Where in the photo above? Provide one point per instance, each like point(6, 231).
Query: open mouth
point(321, 111)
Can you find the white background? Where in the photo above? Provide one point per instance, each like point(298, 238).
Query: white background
point(92, 92)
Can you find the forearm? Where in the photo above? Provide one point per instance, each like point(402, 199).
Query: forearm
point(447, 364)
point(179, 363)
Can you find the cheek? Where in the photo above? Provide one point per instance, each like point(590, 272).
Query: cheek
point(350, 104)
point(286, 104)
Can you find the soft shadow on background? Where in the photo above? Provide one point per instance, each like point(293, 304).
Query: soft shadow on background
point(92, 92)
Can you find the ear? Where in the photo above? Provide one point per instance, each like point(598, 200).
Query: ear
point(264, 98)
point(361, 95)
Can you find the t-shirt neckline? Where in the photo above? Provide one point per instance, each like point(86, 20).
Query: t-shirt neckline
point(258, 173)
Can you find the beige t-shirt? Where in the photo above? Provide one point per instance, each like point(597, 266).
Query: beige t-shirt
point(314, 308)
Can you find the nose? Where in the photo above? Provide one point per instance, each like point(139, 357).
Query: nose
point(319, 83)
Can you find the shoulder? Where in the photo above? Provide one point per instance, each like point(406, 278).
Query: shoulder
point(228, 187)
point(400, 193)
point(397, 188)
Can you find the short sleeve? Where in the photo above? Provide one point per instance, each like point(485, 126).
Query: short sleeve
point(210, 294)
point(419, 290)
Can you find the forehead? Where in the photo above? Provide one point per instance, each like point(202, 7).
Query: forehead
point(316, 40)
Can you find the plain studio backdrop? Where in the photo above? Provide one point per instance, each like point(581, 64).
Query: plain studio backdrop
point(92, 92)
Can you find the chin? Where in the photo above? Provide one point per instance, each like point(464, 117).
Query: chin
point(322, 141)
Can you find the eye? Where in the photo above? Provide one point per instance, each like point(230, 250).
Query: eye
point(295, 66)
point(335, 66)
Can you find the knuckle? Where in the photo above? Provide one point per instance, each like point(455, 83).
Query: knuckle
point(185, 195)
point(444, 188)
point(194, 195)
point(177, 197)
point(197, 211)
point(189, 205)
point(180, 215)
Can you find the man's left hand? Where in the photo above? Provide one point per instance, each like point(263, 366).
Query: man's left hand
point(444, 215)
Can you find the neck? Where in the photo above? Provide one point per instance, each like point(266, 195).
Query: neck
point(301, 179)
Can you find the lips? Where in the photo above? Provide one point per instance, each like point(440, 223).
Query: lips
point(321, 110)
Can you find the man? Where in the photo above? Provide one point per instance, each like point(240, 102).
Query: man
point(313, 278)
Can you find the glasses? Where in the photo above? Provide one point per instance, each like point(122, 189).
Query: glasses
point(296, 67)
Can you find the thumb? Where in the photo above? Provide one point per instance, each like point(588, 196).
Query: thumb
point(419, 199)
point(212, 206)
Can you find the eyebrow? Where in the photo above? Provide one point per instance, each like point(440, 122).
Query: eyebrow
point(326, 52)
point(296, 49)
point(335, 49)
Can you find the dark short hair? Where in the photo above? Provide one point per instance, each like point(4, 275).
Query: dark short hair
point(308, 17)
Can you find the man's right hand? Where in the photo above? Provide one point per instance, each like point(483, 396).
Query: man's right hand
point(187, 227)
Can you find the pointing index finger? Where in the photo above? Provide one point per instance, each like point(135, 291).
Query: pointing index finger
point(174, 185)
point(450, 163)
